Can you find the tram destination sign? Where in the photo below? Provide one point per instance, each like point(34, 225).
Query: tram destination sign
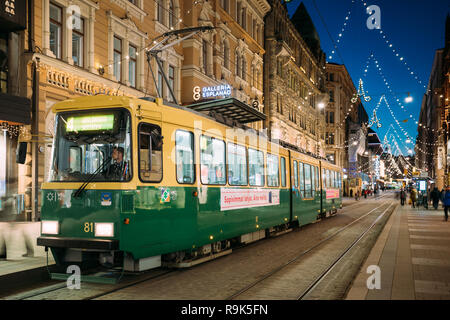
point(90, 123)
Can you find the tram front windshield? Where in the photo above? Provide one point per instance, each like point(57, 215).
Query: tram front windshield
point(92, 142)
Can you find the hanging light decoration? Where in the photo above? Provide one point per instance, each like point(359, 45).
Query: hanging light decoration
point(360, 93)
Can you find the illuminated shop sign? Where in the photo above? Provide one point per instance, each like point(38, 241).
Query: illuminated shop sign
point(223, 90)
point(90, 123)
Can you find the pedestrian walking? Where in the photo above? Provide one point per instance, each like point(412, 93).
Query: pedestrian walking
point(402, 197)
point(413, 197)
point(446, 203)
point(425, 199)
point(435, 197)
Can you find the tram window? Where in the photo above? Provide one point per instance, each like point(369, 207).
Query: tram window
point(150, 152)
point(283, 172)
point(335, 179)
point(329, 179)
point(295, 174)
point(92, 141)
point(237, 165)
point(317, 178)
point(302, 179)
point(256, 167)
point(184, 144)
point(339, 180)
point(212, 160)
point(75, 159)
point(273, 179)
point(308, 190)
point(313, 178)
point(324, 179)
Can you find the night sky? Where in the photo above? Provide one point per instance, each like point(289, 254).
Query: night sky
point(415, 28)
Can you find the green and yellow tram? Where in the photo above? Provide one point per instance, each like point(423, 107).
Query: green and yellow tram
point(140, 183)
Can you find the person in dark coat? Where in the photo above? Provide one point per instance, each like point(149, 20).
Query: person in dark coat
point(435, 197)
point(446, 203)
point(402, 196)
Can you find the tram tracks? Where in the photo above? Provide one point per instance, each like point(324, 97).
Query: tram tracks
point(269, 278)
point(97, 291)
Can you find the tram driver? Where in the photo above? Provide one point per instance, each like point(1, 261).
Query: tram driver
point(118, 170)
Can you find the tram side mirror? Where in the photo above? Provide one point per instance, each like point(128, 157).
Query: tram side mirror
point(21, 152)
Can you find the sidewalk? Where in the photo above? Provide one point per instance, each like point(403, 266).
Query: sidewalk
point(413, 254)
point(18, 249)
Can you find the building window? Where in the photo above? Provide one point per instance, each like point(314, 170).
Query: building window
point(244, 69)
point(205, 56)
point(244, 18)
point(56, 30)
point(331, 77)
point(3, 62)
point(78, 43)
point(331, 95)
point(225, 5)
point(160, 11)
point(132, 66)
point(329, 139)
point(238, 12)
point(171, 14)
point(172, 80)
point(238, 65)
point(117, 58)
point(331, 117)
point(226, 55)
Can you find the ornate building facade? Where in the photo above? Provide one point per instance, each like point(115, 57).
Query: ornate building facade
point(340, 88)
point(294, 81)
point(84, 47)
point(230, 55)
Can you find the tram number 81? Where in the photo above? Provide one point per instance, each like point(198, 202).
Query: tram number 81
point(88, 227)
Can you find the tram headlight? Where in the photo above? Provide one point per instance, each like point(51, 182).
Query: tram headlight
point(50, 227)
point(104, 229)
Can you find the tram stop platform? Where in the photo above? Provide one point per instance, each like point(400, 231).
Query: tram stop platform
point(21, 260)
point(413, 254)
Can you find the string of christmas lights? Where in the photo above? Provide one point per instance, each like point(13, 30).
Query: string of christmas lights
point(388, 86)
point(395, 51)
point(341, 33)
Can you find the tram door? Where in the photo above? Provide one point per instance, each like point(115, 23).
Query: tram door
point(295, 192)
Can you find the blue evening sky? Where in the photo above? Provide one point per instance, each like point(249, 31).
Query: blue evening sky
point(415, 28)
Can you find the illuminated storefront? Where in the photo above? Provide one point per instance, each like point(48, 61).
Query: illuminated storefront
point(15, 111)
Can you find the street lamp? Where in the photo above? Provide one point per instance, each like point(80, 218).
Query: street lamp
point(408, 99)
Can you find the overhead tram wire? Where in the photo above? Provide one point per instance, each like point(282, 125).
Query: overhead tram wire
point(230, 61)
point(329, 34)
point(146, 48)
